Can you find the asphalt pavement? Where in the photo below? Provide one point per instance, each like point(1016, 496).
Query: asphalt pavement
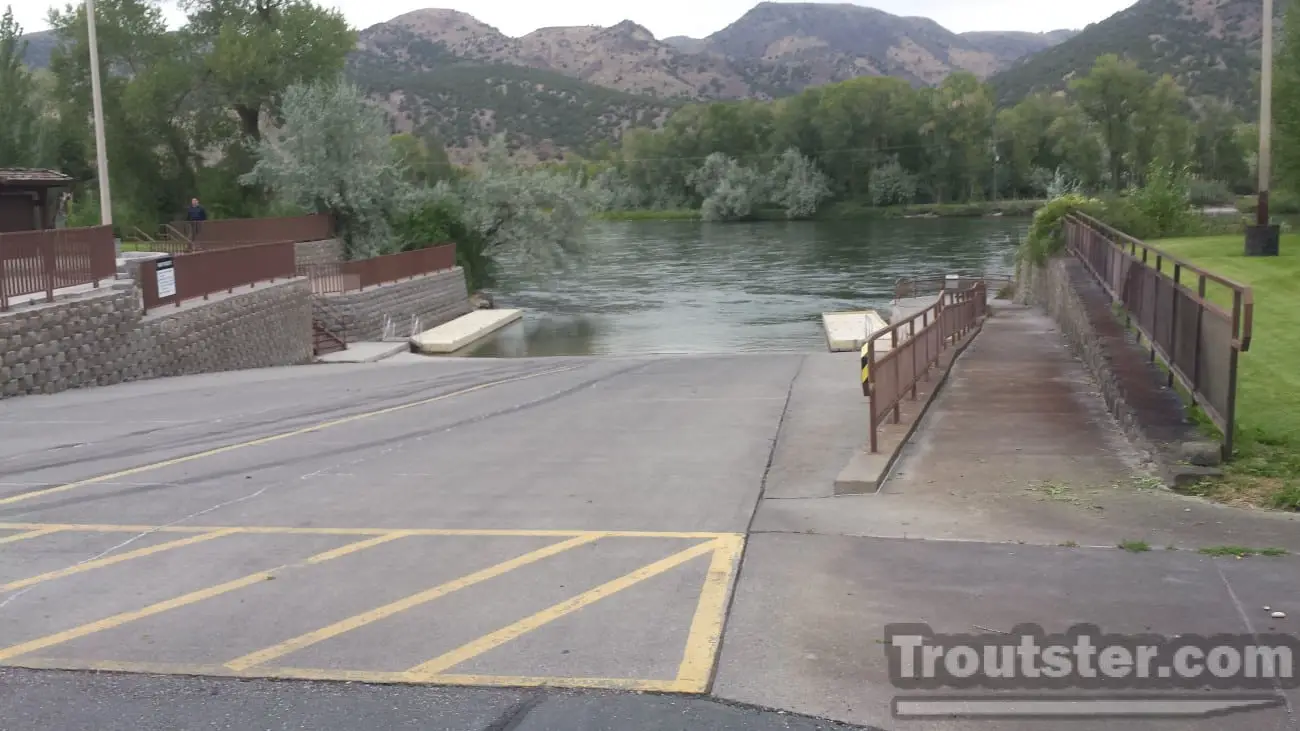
point(549, 543)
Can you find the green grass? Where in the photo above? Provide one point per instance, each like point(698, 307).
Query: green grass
point(1265, 470)
point(1135, 546)
point(1241, 551)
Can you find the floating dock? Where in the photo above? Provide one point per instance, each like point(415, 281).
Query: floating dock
point(848, 331)
point(464, 330)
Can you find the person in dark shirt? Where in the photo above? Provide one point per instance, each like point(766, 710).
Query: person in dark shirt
point(194, 216)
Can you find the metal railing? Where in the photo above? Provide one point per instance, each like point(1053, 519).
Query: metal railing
point(1198, 341)
point(205, 273)
point(915, 346)
point(906, 287)
point(39, 262)
point(356, 275)
point(226, 232)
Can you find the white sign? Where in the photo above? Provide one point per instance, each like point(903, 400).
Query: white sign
point(165, 268)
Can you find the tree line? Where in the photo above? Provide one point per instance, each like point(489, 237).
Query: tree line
point(884, 142)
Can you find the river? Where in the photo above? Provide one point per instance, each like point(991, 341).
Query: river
point(691, 287)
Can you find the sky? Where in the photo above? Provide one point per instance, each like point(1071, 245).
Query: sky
point(696, 18)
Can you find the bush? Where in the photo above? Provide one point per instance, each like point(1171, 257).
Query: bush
point(434, 218)
point(892, 185)
point(1046, 234)
point(1164, 201)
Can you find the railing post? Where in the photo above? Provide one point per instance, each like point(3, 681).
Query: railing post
point(871, 394)
point(911, 344)
point(48, 265)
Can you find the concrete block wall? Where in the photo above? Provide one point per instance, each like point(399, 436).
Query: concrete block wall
point(85, 341)
point(434, 299)
point(326, 251)
point(1150, 414)
point(267, 326)
point(101, 338)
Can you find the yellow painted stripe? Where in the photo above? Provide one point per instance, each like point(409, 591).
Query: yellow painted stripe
point(116, 559)
point(273, 438)
point(33, 533)
point(361, 676)
point(287, 530)
point(706, 627)
point(261, 657)
point(866, 370)
point(528, 624)
point(118, 620)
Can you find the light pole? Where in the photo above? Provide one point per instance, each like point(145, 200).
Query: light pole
point(101, 154)
point(1262, 238)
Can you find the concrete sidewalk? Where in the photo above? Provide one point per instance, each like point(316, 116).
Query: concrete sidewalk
point(1006, 508)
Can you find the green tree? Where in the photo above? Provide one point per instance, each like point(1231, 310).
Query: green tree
point(257, 49)
point(1112, 94)
point(1218, 152)
point(150, 100)
point(1286, 101)
point(333, 156)
point(19, 114)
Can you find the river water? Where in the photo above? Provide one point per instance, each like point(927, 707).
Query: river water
point(692, 287)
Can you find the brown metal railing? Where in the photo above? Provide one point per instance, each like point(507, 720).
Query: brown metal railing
point(354, 276)
point(1198, 341)
point(39, 262)
point(906, 287)
point(915, 345)
point(226, 232)
point(204, 273)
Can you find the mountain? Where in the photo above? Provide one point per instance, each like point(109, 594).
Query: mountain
point(625, 57)
point(567, 88)
point(1210, 46)
point(427, 89)
point(775, 49)
point(39, 47)
point(1008, 46)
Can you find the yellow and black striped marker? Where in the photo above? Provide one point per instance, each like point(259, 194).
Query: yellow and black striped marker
point(866, 366)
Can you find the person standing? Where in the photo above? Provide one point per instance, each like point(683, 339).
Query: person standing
point(195, 216)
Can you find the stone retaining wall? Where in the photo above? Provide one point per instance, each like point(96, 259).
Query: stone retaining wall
point(1136, 391)
point(326, 251)
point(433, 299)
point(100, 338)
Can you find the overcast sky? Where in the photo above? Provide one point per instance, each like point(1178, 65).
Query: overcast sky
point(696, 18)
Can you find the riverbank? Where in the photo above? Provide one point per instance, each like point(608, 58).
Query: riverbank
point(849, 210)
point(1266, 470)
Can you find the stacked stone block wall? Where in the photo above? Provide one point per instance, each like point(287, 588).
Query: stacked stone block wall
point(433, 299)
point(327, 251)
point(101, 338)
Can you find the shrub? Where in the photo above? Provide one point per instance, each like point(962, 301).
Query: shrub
point(1046, 233)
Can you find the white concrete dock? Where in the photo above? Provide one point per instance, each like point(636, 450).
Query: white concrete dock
point(848, 331)
point(464, 330)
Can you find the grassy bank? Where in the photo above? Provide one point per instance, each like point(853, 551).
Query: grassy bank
point(1266, 470)
point(849, 210)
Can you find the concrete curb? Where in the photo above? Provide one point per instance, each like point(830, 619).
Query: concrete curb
point(365, 352)
point(866, 472)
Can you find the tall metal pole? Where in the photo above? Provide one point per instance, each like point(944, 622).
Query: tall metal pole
point(101, 154)
point(1265, 114)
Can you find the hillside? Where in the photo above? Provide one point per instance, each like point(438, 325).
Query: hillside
point(39, 47)
point(775, 49)
point(1210, 46)
point(464, 103)
point(1008, 46)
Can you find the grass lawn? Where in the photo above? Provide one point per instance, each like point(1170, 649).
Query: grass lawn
point(1266, 467)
